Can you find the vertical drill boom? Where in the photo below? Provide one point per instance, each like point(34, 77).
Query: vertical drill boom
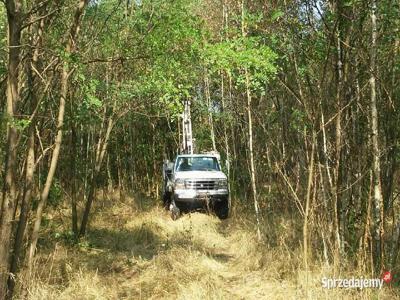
point(187, 140)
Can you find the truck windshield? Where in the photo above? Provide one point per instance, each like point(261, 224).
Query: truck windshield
point(198, 163)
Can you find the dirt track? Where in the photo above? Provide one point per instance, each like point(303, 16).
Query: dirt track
point(139, 253)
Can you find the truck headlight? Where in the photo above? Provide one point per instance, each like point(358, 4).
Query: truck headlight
point(222, 184)
point(179, 184)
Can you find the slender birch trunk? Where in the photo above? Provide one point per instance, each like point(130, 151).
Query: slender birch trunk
point(9, 197)
point(376, 167)
point(338, 146)
point(74, 212)
point(306, 236)
point(250, 135)
point(395, 245)
point(251, 154)
point(66, 71)
point(30, 163)
point(209, 106)
point(100, 153)
point(227, 151)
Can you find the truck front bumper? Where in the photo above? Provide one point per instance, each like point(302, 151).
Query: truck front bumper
point(197, 199)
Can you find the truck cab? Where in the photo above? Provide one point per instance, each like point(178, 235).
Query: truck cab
point(196, 181)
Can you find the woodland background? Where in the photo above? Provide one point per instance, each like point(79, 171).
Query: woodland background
point(300, 97)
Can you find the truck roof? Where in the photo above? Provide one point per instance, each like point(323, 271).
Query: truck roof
point(208, 154)
point(198, 155)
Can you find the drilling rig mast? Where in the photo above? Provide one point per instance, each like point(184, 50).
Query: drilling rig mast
point(187, 137)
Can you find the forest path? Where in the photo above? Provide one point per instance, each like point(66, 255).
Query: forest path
point(197, 256)
point(134, 250)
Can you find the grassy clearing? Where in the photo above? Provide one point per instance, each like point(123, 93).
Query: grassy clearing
point(134, 251)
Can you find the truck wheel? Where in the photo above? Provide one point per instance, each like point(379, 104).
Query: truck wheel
point(166, 200)
point(175, 213)
point(221, 209)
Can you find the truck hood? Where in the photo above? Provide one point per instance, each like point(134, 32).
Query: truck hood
point(200, 175)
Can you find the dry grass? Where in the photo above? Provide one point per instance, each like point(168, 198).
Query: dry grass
point(137, 252)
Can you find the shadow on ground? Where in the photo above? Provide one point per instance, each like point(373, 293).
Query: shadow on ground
point(113, 250)
point(137, 241)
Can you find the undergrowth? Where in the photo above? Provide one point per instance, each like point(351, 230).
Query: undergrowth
point(135, 251)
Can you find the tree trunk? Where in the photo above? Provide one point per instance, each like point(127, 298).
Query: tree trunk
point(25, 205)
point(52, 169)
point(101, 150)
point(70, 48)
point(251, 154)
point(308, 199)
point(30, 160)
point(8, 201)
point(395, 245)
point(209, 106)
point(376, 167)
point(338, 222)
point(250, 135)
point(232, 129)
point(74, 213)
point(227, 151)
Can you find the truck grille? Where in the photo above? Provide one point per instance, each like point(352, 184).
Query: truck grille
point(201, 184)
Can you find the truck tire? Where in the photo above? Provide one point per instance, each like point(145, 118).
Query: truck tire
point(175, 213)
point(221, 209)
point(166, 200)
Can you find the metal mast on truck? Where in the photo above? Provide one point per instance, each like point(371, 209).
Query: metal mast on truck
point(187, 137)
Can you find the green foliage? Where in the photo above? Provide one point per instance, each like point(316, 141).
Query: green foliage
point(299, 120)
point(88, 103)
point(89, 88)
point(240, 55)
point(67, 237)
point(172, 76)
point(202, 136)
point(18, 123)
point(160, 40)
point(55, 194)
point(277, 14)
point(21, 124)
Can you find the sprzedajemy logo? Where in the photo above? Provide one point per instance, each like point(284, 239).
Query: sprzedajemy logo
point(354, 283)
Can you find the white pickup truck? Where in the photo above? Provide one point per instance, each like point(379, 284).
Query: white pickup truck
point(195, 181)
